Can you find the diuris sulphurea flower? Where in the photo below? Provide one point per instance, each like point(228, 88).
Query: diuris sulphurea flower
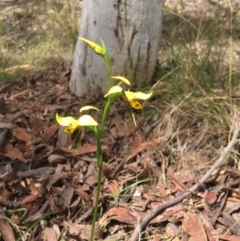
point(73, 124)
point(130, 98)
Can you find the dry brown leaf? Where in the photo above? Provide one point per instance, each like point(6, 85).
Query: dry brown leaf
point(6, 125)
point(55, 159)
point(193, 226)
point(210, 231)
point(41, 151)
point(91, 180)
point(143, 146)
point(50, 180)
point(22, 134)
point(114, 188)
point(232, 205)
point(88, 148)
point(37, 124)
point(13, 153)
point(31, 198)
point(80, 230)
point(228, 237)
point(5, 228)
point(82, 193)
point(230, 222)
point(172, 229)
point(67, 194)
point(50, 132)
point(119, 214)
point(106, 169)
point(50, 234)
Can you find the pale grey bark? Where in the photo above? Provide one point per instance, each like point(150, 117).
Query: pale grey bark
point(131, 31)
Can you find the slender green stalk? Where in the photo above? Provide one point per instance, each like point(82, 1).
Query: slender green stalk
point(100, 160)
point(98, 137)
point(105, 114)
point(108, 63)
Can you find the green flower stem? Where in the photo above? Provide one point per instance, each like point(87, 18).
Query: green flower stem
point(108, 63)
point(98, 132)
point(105, 114)
point(109, 68)
point(100, 161)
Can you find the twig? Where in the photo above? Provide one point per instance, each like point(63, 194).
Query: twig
point(156, 211)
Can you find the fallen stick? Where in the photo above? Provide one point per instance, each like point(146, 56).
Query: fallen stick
point(156, 211)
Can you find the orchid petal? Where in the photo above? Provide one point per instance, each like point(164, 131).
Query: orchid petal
point(87, 120)
point(95, 47)
point(129, 94)
point(114, 90)
point(126, 81)
point(88, 107)
point(67, 121)
point(138, 95)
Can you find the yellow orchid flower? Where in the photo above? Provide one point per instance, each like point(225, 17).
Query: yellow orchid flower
point(73, 124)
point(129, 96)
point(95, 47)
point(69, 121)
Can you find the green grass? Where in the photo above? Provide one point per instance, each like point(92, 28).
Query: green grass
point(36, 33)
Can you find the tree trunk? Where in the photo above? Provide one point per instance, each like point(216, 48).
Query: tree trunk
point(131, 31)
